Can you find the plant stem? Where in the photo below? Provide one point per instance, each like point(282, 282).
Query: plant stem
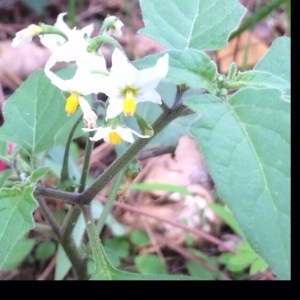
point(161, 122)
point(86, 163)
point(97, 249)
point(72, 13)
point(78, 263)
point(44, 229)
point(109, 202)
point(258, 15)
point(67, 243)
point(74, 211)
point(64, 174)
point(86, 197)
point(70, 221)
point(48, 215)
point(41, 190)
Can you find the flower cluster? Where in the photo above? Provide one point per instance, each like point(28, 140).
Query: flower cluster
point(124, 85)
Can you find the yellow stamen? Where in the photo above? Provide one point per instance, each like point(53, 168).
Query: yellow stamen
point(72, 103)
point(114, 138)
point(129, 104)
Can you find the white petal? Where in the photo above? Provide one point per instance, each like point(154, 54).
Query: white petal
point(119, 58)
point(113, 109)
point(91, 62)
point(139, 135)
point(148, 95)
point(90, 129)
point(61, 24)
point(22, 37)
point(57, 81)
point(25, 35)
point(125, 134)
point(84, 105)
point(88, 30)
point(151, 76)
point(86, 83)
point(100, 133)
point(162, 65)
point(122, 72)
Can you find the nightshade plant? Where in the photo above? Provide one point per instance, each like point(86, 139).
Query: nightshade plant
point(240, 120)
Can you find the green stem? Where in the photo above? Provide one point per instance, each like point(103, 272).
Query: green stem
point(68, 243)
point(96, 42)
point(64, 174)
point(97, 249)
point(109, 202)
point(41, 190)
point(48, 29)
point(86, 163)
point(161, 122)
point(258, 15)
point(44, 229)
point(74, 211)
point(70, 221)
point(48, 215)
point(78, 263)
point(72, 13)
point(86, 197)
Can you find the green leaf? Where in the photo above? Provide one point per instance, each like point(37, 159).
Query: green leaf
point(277, 59)
point(122, 275)
point(18, 254)
point(139, 238)
point(261, 79)
point(16, 209)
point(4, 176)
point(116, 274)
point(199, 271)
point(35, 117)
point(38, 173)
point(198, 24)
point(246, 146)
point(258, 265)
point(140, 186)
point(44, 250)
point(242, 259)
point(226, 215)
point(54, 160)
point(225, 257)
point(192, 67)
point(119, 245)
point(149, 264)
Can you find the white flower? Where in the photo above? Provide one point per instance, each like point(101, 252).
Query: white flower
point(55, 41)
point(84, 82)
point(114, 25)
point(114, 135)
point(126, 86)
point(72, 49)
point(25, 35)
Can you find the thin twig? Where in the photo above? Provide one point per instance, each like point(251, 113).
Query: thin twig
point(208, 237)
point(47, 270)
